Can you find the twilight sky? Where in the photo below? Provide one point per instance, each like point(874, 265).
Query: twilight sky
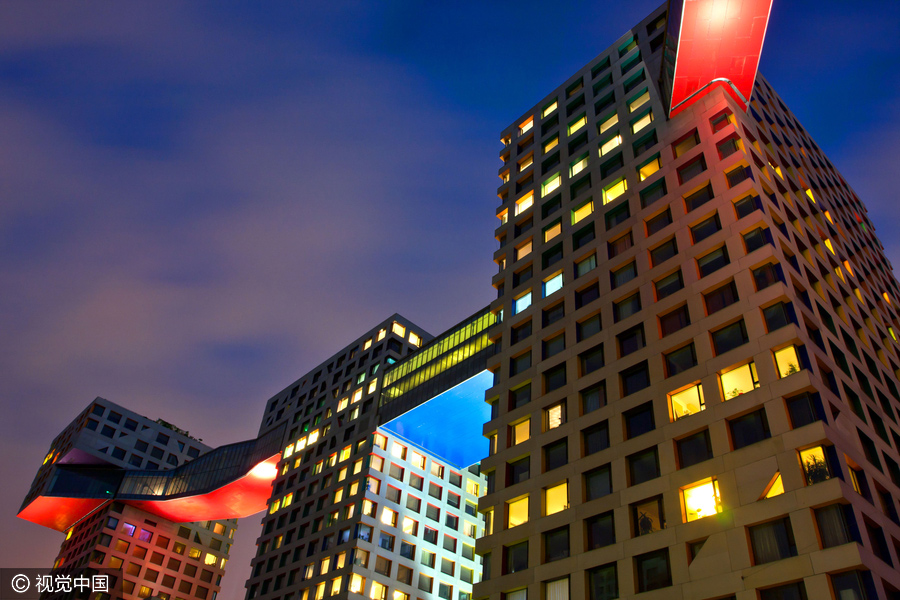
point(201, 201)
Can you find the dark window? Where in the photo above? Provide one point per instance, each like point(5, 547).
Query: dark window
point(620, 245)
point(556, 544)
point(851, 585)
point(603, 583)
point(659, 222)
point(516, 557)
point(554, 345)
point(778, 315)
point(627, 307)
point(520, 364)
point(553, 314)
point(583, 236)
point(692, 168)
point(705, 228)
point(520, 396)
point(587, 295)
point(601, 530)
point(522, 276)
point(591, 360)
point(729, 337)
point(647, 516)
point(791, 591)
point(663, 252)
point(596, 438)
point(643, 466)
point(644, 143)
point(617, 215)
point(680, 360)
point(746, 206)
point(519, 333)
point(738, 175)
point(757, 238)
point(720, 297)
point(593, 398)
point(804, 409)
point(698, 198)
point(720, 121)
point(728, 146)
point(653, 570)
point(556, 454)
point(653, 192)
point(631, 340)
point(517, 470)
point(554, 378)
point(772, 541)
point(612, 165)
point(837, 525)
point(635, 378)
point(669, 284)
point(639, 420)
point(552, 256)
point(694, 449)
point(673, 321)
point(712, 261)
point(597, 483)
point(587, 328)
point(766, 275)
point(749, 429)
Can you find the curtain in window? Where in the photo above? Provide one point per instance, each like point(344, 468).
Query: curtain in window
point(558, 590)
point(770, 542)
point(832, 526)
point(517, 595)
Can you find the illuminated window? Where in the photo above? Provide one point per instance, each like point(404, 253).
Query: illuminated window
point(687, 402)
point(550, 185)
point(367, 344)
point(313, 437)
point(521, 432)
point(610, 144)
point(556, 415)
point(553, 230)
point(357, 583)
point(549, 109)
point(526, 162)
point(524, 203)
point(701, 500)
point(556, 498)
point(739, 380)
point(577, 124)
point(398, 329)
point(551, 144)
point(815, 465)
point(639, 101)
point(582, 211)
point(523, 250)
point(648, 168)
point(380, 441)
point(610, 122)
point(553, 284)
point(521, 303)
point(381, 334)
point(472, 487)
point(399, 451)
point(517, 511)
point(389, 517)
point(775, 487)
point(642, 122)
point(614, 190)
point(578, 166)
point(787, 361)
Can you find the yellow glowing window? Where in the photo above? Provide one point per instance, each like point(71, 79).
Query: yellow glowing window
point(381, 334)
point(274, 507)
point(210, 559)
point(313, 436)
point(300, 444)
point(378, 591)
point(578, 166)
point(610, 122)
point(357, 395)
point(810, 194)
point(526, 125)
point(517, 511)
point(551, 184)
point(524, 203)
point(828, 216)
point(701, 500)
point(357, 583)
point(339, 493)
point(886, 297)
point(815, 465)
point(324, 565)
point(555, 416)
point(649, 168)
point(336, 585)
point(471, 487)
point(357, 466)
point(340, 560)
point(610, 144)
point(854, 480)
point(687, 402)
point(577, 124)
point(787, 361)
point(523, 250)
point(549, 109)
point(639, 101)
point(893, 335)
point(775, 487)
point(614, 190)
point(503, 216)
point(739, 380)
point(289, 449)
point(415, 339)
point(418, 460)
point(367, 344)
point(389, 517)
point(526, 162)
point(320, 591)
point(830, 246)
point(551, 144)
point(345, 453)
point(332, 459)
point(506, 140)
point(642, 122)
point(552, 231)
point(848, 267)
point(399, 451)
point(556, 498)
point(343, 404)
point(840, 273)
point(409, 526)
point(398, 329)
point(354, 488)
point(380, 441)
point(372, 385)
point(521, 432)
point(287, 500)
point(582, 211)
point(368, 507)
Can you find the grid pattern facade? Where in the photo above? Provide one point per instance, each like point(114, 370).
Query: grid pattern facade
point(146, 547)
point(697, 390)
